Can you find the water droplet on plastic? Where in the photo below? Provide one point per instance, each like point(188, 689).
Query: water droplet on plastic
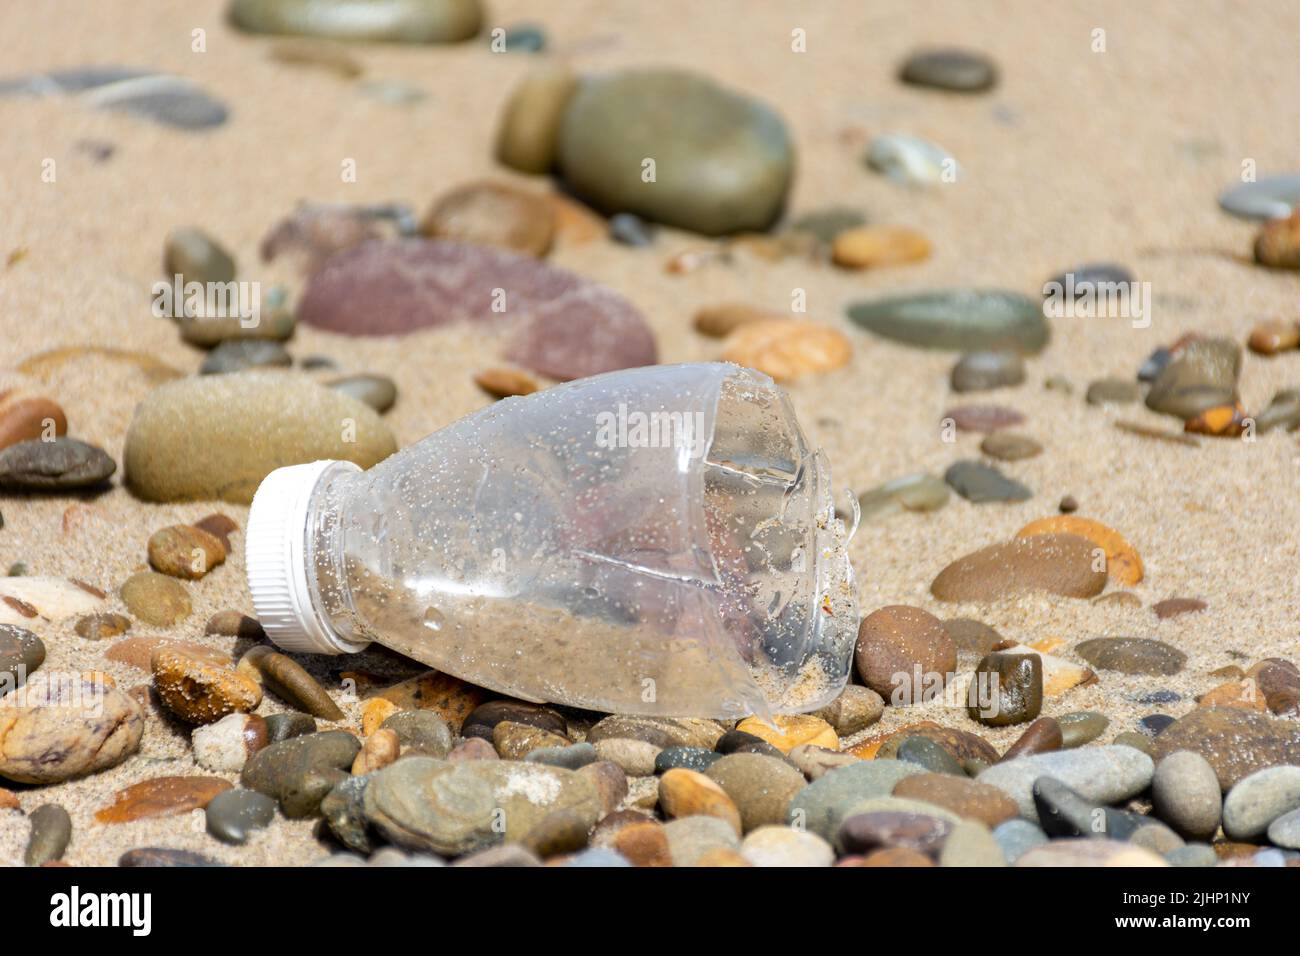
point(433, 619)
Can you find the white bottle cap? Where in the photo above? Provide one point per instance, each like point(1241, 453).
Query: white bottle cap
point(276, 560)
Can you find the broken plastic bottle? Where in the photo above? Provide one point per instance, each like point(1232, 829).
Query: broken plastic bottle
point(652, 541)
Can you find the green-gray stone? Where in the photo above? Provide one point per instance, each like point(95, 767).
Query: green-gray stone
point(21, 652)
point(58, 465)
point(344, 811)
point(822, 805)
point(50, 836)
point(1283, 411)
point(930, 755)
point(1132, 655)
point(196, 257)
point(1202, 376)
point(423, 730)
point(394, 21)
point(918, 492)
point(979, 483)
point(981, 371)
point(1081, 727)
point(377, 391)
point(233, 814)
point(1113, 391)
point(722, 162)
point(962, 320)
point(300, 771)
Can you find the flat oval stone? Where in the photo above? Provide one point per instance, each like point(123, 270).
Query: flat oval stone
point(289, 681)
point(219, 436)
point(573, 756)
point(161, 796)
point(155, 598)
point(909, 160)
point(426, 731)
point(786, 846)
point(67, 727)
point(981, 371)
point(918, 492)
point(1054, 563)
point(170, 100)
point(864, 832)
point(1236, 742)
point(1112, 391)
point(493, 214)
point(1185, 795)
point(896, 642)
point(1272, 197)
point(1201, 376)
point(821, 806)
point(761, 787)
point(300, 771)
point(1010, 446)
point(957, 71)
point(660, 731)
point(482, 720)
point(237, 355)
point(1106, 775)
point(1081, 727)
point(377, 391)
point(563, 326)
point(855, 709)
point(1123, 563)
point(688, 758)
point(960, 320)
point(1175, 607)
point(394, 21)
point(1285, 830)
point(979, 483)
point(967, 798)
point(59, 465)
point(21, 653)
point(930, 755)
point(1132, 655)
point(722, 161)
point(1256, 801)
point(233, 814)
point(163, 856)
point(196, 257)
point(50, 834)
point(184, 551)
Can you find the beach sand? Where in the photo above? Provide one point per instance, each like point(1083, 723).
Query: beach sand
point(1077, 156)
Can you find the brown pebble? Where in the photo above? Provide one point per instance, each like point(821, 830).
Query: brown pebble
point(156, 598)
point(289, 681)
point(559, 832)
point(185, 551)
point(610, 780)
point(493, 214)
point(1042, 736)
point(450, 697)
point(29, 418)
point(235, 624)
point(1069, 505)
point(719, 321)
point(1173, 607)
point(966, 798)
point(161, 796)
point(866, 247)
point(374, 712)
point(505, 382)
point(1278, 243)
point(379, 750)
point(97, 627)
point(983, 418)
point(1278, 681)
point(686, 793)
point(1269, 338)
point(892, 857)
point(643, 843)
point(1063, 564)
point(198, 691)
point(787, 349)
point(900, 645)
point(219, 526)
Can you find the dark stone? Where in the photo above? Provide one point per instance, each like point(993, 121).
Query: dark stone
point(482, 720)
point(58, 465)
point(164, 856)
point(884, 829)
point(1014, 683)
point(689, 758)
point(284, 726)
point(299, 772)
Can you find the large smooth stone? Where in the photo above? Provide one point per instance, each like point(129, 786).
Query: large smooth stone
point(563, 326)
point(1203, 375)
point(394, 21)
point(723, 162)
point(219, 436)
point(1272, 197)
point(21, 653)
point(979, 483)
point(1185, 795)
point(67, 727)
point(1104, 774)
point(1132, 655)
point(823, 805)
point(301, 771)
point(1236, 742)
point(1055, 563)
point(58, 465)
point(453, 808)
point(964, 320)
point(1256, 801)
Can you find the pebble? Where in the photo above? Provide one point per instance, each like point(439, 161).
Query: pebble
point(982, 371)
point(98, 627)
point(1173, 607)
point(983, 418)
point(238, 355)
point(528, 136)
point(910, 160)
point(563, 326)
point(67, 728)
point(219, 436)
point(343, 810)
point(691, 838)
point(59, 465)
point(286, 726)
point(506, 382)
point(1081, 727)
point(827, 223)
point(196, 257)
point(1285, 830)
point(476, 748)
point(688, 758)
point(1185, 795)
point(1063, 811)
point(1104, 774)
point(740, 742)
point(979, 483)
point(393, 21)
point(970, 843)
point(972, 636)
point(630, 230)
point(197, 689)
point(930, 755)
point(226, 745)
point(1153, 724)
point(703, 181)
point(185, 551)
point(300, 771)
point(719, 321)
point(1282, 411)
point(816, 762)
point(289, 681)
point(155, 599)
point(1279, 683)
point(966, 798)
point(1278, 243)
point(1017, 837)
point(51, 832)
point(855, 709)
point(493, 214)
point(1054, 563)
point(26, 417)
point(1132, 655)
point(761, 787)
point(791, 730)
point(1098, 851)
point(1012, 688)
point(1258, 799)
point(964, 320)
point(1193, 854)
point(962, 745)
point(684, 793)
point(785, 846)
point(1270, 197)
point(610, 781)
point(660, 731)
point(821, 806)
point(1155, 836)
point(454, 808)
point(867, 247)
point(424, 731)
point(377, 391)
point(1267, 338)
point(787, 349)
point(916, 492)
point(570, 757)
point(161, 797)
point(892, 858)
point(957, 71)
point(893, 829)
point(275, 322)
point(21, 653)
point(1123, 563)
point(1042, 736)
point(154, 856)
point(1085, 278)
point(902, 640)
point(515, 741)
point(1203, 375)
point(1113, 391)
point(558, 833)
point(482, 720)
point(1137, 741)
point(453, 700)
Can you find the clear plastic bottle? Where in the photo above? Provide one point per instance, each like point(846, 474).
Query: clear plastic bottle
point(653, 541)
